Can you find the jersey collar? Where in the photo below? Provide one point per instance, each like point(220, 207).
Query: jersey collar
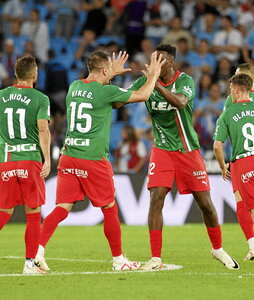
point(22, 86)
point(87, 81)
point(177, 74)
point(243, 101)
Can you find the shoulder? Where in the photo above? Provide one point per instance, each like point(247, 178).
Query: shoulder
point(185, 79)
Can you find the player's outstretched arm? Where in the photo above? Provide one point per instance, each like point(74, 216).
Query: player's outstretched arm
point(44, 138)
point(219, 155)
point(145, 91)
point(118, 63)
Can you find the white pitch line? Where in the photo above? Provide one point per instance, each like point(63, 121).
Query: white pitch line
point(62, 259)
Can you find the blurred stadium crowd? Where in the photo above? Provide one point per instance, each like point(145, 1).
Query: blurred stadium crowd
point(212, 38)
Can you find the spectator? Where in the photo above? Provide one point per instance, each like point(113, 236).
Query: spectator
point(87, 45)
point(38, 32)
point(96, 18)
point(131, 154)
point(222, 74)
point(15, 10)
point(143, 57)
point(201, 59)
point(248, 48)
point(18, 37)
point(187, 13)
point(206, 27)
point(133, 25)
point(225, 8)
point(8, 59)
point(176, 33)
point(227, 41)
point(203, 87)
point(65, 10)
point(183, 52)
point(206, 115)
point(157, 19)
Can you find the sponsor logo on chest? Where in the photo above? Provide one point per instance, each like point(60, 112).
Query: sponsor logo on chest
point(21, 173)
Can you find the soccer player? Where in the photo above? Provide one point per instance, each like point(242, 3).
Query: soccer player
point(244, 216)
point(24, 140)
point(84, 168)
point(176, 155)
point(237, 123)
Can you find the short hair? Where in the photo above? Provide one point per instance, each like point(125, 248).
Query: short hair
point(243, 80)
point(97, 61)
point(24, 67)
point(247, 69)
point(171, 50)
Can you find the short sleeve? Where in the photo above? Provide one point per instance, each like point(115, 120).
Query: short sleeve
point(44, 109)
point(114, 93)
point(221, 132)
point(185, 86)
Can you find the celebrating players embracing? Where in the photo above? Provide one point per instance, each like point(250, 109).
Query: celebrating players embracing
point(84, 168)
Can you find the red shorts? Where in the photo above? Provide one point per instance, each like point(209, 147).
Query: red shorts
point(80, 177)
point(242, 171)
point(188, 169)
point(20, 183)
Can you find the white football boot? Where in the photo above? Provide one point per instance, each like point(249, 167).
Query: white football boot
point(122, 264)
point(225, 259)
point(155, 263)
point(41, 262)
point(250, 255)
point(31, 268)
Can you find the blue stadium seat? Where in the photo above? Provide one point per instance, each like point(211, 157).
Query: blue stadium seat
point(73, 75)
point(74, 43)
point(106, 39)
point(44, 11)
point(59, 45)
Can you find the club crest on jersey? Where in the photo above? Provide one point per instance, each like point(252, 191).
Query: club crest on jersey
point(247, 176)
point(21, 173)
point(188, 90)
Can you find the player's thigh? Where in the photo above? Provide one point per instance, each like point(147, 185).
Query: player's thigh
point(32, 186)
point(68, 189)
point(191, 175)
point(10, 195)
point(242, 172)
point(99, 183)
point(161, 169)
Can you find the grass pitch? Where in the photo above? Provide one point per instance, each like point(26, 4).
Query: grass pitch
point(80, 261)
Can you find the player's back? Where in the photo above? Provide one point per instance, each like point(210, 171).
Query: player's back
point(20, 107)
point(89, 110)
point(240, 123)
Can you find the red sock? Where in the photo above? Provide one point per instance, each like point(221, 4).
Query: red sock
point(32, 234)
point(156, 242)
point(245, 220)
point(112, 229)
point(4, 218)
point(51, 222)
point(215, 236)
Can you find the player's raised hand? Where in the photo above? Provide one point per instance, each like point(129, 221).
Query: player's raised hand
point(225, 172)
point(45, 169)
point(119, 62)
point(154, 69)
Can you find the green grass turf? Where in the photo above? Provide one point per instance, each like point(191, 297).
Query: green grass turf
point(201, 277)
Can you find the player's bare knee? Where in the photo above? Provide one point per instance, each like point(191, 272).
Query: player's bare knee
point(30, 210)
point(67, 206)
point(109, 205)
point(8, 211)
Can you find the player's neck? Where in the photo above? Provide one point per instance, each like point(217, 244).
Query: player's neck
point(94, 77)
point(28, 83)
point(243, 97)
point(168, 77)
